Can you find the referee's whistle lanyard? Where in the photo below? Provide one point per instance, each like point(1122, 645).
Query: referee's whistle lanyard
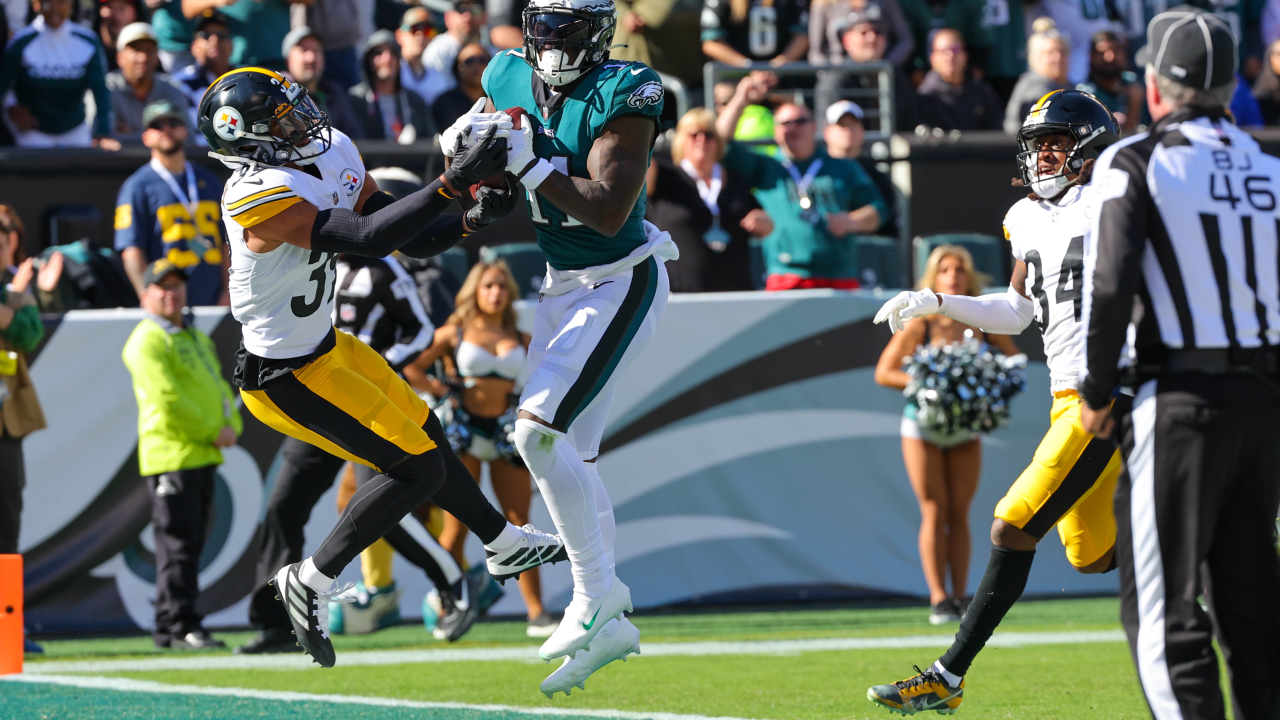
point(190, 200)
point(809, 213)
point(716, 237)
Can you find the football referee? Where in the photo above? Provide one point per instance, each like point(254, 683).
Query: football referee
point(1182, 267)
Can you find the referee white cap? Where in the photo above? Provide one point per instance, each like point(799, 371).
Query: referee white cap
point(1192, 47)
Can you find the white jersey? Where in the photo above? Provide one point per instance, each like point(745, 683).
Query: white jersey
point(1049, 236)
point(284, 298)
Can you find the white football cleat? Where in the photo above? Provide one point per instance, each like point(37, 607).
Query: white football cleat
point(584, 619)
point(531, 550)
point(617, 639)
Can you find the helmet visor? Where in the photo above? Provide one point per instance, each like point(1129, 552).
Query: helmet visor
point(551, 28)
point(298, 123)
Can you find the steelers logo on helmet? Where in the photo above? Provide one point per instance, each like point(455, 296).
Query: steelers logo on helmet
point(1087, 127)
point(565, 39)
point(228, 123)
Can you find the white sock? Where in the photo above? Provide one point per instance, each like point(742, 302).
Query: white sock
point(313, 578)
point(952, 679)
point(569, 492)
point(604, 511)
point(509, 536)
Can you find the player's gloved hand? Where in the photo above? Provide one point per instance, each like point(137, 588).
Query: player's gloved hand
point(906, 305)
point(520, 155)
point(484, 158)
point(491, 204)
point(473, 123)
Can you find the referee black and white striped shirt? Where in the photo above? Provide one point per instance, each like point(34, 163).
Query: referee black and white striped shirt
point(1189, 257)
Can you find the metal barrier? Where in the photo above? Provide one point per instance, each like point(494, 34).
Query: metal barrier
point(876, 102)
point(676, 89)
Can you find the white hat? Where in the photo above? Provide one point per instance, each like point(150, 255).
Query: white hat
point(841, 108)
point(133, 32)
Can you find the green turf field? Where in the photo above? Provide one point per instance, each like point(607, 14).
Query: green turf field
point(1060, 659)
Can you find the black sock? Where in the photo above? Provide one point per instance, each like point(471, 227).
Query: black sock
point(460, 495)
point(402, 542)
point(377, 507)
point(1001, 586)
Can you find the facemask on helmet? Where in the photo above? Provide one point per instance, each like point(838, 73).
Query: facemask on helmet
point(1085, 122)
point(260, 116)
point(563, 43)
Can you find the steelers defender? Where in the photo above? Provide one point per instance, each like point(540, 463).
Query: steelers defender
point(581, 154)
point(299, 197)
point(1072, 477)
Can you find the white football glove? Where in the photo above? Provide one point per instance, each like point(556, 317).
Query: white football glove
point(472, 124)
point(520, 148)
point(906, 305)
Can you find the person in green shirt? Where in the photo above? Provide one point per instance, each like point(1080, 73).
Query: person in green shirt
point(817, 202)
point(257, 28)
point(186, 415)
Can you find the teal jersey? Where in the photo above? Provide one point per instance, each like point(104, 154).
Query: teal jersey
point(565, 138)
point(797, 246)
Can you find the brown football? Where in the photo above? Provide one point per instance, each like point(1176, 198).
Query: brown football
point(499, 179)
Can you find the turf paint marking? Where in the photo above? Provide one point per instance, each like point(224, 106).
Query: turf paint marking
point(145, 686)
point(529, 653)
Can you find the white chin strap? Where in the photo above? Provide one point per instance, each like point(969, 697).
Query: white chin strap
point(1052, 187)
point(308, 153)
point(553, 67)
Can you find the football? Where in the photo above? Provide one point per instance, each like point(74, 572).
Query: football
point(499, 179)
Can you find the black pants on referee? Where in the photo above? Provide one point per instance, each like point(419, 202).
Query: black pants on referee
point(1196, 512)
point(181, 506)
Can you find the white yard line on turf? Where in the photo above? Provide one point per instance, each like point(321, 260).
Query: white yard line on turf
point(529, 653)
point(144, 686)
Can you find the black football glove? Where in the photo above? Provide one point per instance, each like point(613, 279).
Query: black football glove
point(487, 156)
point(491, 204)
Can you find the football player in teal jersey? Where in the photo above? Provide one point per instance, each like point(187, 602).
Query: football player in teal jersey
point(581, 153)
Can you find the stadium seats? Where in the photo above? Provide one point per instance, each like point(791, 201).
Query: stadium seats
point(879, 262)
point(990, 253)
point(455, 262)
point(65, 224)
point(528, 264)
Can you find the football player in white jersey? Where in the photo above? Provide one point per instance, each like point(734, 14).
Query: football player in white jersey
point(1072, 477)
point(299, 197)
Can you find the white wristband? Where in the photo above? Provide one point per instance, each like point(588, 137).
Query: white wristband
point(534, 176)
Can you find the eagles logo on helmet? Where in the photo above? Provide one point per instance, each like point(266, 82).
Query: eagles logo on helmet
point(565, 39)
point(1078, 115)
point(255, 115)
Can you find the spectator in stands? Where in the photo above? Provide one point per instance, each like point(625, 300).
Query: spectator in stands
point(816, 201)
point(170, 209)
point(844, 135)
point(186, 415)
point(970, 17)
point(258, 27)
point(1047, 53)
point(865, 41)
point(136, 84)
point(635, 19)
point(710, 213)
point(20, 413)
point(1244, 108)
point(829, 19)
point(50, 109)
point(16, 236)
point(174, 34)
point(111, 17)
point(1077, 22)
point(335, 24)
point(467, 71)
point(304, 56)
point(211, 49)
point(382, 106)
point(740, 32)
point(943, 469)
point(415, 31)
point(1007, 59)
point(14, 17)
point(1111, 81)
point(1266, 89)
point(462, 27)
point(951, 98)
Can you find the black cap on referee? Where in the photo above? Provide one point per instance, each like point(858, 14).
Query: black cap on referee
point(1192, 47)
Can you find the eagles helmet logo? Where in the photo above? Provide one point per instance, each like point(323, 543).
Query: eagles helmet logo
point(649, 93)
point(228, 123)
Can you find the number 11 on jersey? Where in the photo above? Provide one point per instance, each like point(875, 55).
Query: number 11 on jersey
point(561, 163)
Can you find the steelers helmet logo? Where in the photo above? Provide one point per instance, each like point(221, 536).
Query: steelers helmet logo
point(350, 181)
point(228, 123)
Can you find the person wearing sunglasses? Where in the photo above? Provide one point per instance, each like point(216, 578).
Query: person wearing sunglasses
point(462, 27)
point(382, 104)
point(137, 83)
point(468, 69)
point(417, 28)
point(169, 209)
point(210, 54)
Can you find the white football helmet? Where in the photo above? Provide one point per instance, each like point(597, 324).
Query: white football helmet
point(564, 39)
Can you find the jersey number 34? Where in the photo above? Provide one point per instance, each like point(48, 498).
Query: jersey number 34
point(1070, 281)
